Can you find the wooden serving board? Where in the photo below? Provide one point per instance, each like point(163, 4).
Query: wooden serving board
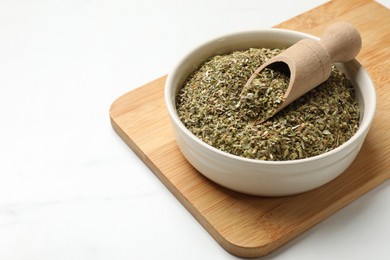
point(250, 226)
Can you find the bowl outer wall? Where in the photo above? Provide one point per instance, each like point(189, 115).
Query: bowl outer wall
point(254, 176)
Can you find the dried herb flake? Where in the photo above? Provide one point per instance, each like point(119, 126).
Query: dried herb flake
point(213, 105)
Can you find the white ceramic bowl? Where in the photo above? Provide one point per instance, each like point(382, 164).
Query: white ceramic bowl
point(257, 177)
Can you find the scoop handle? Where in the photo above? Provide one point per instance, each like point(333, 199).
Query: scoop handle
point(341, 41)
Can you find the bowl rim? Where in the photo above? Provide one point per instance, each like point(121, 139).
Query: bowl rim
point(362, 129)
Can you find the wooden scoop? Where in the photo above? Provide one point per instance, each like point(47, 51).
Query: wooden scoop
point(308, 62)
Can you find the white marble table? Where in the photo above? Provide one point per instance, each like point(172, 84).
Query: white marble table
point(69, 187)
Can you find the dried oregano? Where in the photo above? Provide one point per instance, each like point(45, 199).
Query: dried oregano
point(263, 95)
point(213, 105)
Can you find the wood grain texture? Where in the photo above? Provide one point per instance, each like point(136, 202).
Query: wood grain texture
point(250, 226)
